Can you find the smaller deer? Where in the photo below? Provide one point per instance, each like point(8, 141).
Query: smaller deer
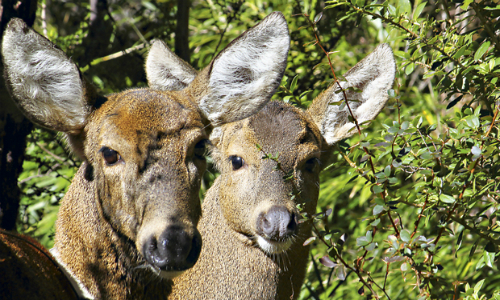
point(29, 271)
point(127, 224)
point(252, 242)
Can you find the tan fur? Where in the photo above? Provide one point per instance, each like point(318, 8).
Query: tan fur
point(116, 216)
point(233, 264)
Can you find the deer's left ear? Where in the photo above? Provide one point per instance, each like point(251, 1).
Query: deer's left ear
point(371, 79)
point(165, 70)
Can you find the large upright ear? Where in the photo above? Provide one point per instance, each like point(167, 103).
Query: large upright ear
point(45, 84)
point(371, 79)
point(165, 70)
point(245, 75)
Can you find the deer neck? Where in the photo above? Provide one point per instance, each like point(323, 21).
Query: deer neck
point(229, 268)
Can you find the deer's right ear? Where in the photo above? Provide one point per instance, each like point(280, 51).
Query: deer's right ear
point(370, 80)
point(165, 70)
point(45, 84)
point(245, 75)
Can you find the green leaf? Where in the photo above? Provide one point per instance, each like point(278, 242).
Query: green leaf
point(446, 198)
point(318, 17)
point(482, 50)
point(309, 240)
point(377, 189)
point(378, 209)
point(375, 222)
point(405, 235)
point(387, 170)
point(404, 267)
point(419, 10)
point(293, 85)
point(409, 68)
point(149, 5)
point(466, 4)
point(404, 6)
point(405, 125)
point(459, 241)
point(340, 272)
point(478, 286)
point(489, 258)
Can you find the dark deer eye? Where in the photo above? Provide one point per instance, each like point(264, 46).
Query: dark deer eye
point(200, 148)
point(237, 162)
point(110, 156)
point(311, 164)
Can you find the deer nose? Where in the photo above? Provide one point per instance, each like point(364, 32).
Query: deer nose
point(277, 223)
point(173, 250)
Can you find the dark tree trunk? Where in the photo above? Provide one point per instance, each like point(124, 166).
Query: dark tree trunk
point(96, 43)
point(182, 30)
point(14, 127)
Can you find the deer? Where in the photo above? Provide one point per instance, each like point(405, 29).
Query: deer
point(128, 224)
point(37, 273)
point(269, 163)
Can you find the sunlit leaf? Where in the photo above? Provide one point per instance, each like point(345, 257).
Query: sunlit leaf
point(327, 262)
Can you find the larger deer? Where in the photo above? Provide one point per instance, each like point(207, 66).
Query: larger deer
point(252, 242)
point(127, 225)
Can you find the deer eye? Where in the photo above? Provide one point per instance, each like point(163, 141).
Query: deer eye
point(237, 162)
point(200, 149)
point(311, 164)
point(110, 156)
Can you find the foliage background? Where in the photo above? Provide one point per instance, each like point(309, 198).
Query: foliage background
point(408, 209)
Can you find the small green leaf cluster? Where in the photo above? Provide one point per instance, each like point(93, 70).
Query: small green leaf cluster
point(47, 174)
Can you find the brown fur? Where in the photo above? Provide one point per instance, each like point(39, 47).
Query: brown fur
point(28, 271)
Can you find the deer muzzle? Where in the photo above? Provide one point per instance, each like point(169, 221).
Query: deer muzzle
point(276, 228)
point(172, 251)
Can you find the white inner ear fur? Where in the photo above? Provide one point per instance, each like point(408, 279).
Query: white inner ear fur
point(165, 70)
point(45, 82)
point(374, 75)
point(247, 73)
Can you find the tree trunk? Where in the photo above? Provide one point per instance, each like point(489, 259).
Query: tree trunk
point(182, 30)
point(14, 127)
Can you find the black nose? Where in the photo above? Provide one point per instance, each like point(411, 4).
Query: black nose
point(277, 223)
point(173, 250)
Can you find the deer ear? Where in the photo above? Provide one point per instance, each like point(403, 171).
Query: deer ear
point(165, 70)
point(245, 75)
point(366, 89)
point(45, 84)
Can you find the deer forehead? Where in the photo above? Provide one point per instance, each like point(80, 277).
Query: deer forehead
point(279, 129)
point(140, 117)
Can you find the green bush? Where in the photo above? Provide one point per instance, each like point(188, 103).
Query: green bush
point(408, 208)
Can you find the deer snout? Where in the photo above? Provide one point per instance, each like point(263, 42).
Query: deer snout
point(173, 251)
point(277, 223)
point(275, 229)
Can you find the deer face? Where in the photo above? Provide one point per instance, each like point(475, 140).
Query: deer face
point(147, 154)
point(258, 194)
